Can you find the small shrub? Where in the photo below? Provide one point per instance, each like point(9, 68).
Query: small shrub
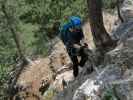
point(3, 81)
point(49, 95)
point(109, 95)
point(109, 4)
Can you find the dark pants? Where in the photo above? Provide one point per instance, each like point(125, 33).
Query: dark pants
point(74, 53)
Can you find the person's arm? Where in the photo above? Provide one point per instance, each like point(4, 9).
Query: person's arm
point(82, 37)
point(81, 34)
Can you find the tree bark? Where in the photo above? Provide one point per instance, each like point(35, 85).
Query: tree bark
point(118, 11)
point(100, 35)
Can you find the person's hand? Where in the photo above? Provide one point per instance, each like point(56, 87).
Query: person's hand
point(71, 29)
point(85, 44)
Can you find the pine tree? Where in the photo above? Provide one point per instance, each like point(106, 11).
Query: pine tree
point(12, 26)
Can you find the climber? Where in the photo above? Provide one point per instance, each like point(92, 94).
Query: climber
point(73, 38)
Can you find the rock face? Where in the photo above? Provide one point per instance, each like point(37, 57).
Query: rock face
point(112, 79)
point(117, 74)
point(127, 10)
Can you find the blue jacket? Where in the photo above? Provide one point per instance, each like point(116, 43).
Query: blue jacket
point(68, 37)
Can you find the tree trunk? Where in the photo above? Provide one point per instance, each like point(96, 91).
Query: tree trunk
point(100, 35)
point(14, 35)
point(118, 11)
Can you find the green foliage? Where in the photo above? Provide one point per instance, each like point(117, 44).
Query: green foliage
point(109, 95)
point(8, 57)
point(28, 36)
point(109, 4)
point(8, 52)
point(45, 13)
point(4, 72)
point(7, 49)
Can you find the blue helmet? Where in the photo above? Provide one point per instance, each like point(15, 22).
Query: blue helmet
point(75, 21)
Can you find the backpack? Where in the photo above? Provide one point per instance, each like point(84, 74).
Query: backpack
point(65, 35)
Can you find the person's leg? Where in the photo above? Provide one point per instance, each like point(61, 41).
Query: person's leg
point(84, 57)
point(75, 65)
